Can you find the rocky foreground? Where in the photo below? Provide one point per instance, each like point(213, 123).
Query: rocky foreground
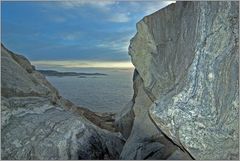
point(185, 103)
point(37, 123)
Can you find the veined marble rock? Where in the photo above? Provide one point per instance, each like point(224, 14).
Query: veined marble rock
point(36, 123)
point(145, 141)
point(187, 56)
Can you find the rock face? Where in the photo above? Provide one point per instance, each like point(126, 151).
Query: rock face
point(186, 56)
point(36, 124)
point(144, 140)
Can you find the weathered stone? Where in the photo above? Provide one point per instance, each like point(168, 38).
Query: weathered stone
point(124, 120)
point(145, 140)
point(40, 130)
point(36, 125)
point(187, 57)
point(20, 79)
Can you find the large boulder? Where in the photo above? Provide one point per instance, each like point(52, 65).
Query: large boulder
point(187, 57)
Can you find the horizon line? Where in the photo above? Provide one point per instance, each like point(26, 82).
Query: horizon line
point(82, 64)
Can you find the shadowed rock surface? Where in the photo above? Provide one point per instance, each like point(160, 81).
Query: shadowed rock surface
point(186, 56)
point(36, 124)
point(144, 140)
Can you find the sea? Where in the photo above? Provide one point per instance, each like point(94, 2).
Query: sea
point(103, 93)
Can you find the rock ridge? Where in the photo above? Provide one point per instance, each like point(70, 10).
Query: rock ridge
point(37, 123)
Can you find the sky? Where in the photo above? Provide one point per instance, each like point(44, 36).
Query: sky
point(80, 33)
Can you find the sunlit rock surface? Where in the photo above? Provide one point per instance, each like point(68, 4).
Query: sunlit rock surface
point(36, 125)
point(187, 56)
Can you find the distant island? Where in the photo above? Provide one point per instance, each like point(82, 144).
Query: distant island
point(61, 74)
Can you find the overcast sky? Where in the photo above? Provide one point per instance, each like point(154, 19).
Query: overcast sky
point(73, 30)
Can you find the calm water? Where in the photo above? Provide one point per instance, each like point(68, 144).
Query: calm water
point(98, 93)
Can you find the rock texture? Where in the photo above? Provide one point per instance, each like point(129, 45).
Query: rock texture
point(187, 58)
point(144, 140)
point(36, 124)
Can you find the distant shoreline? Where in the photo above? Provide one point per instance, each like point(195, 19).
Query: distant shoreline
point(62, 74)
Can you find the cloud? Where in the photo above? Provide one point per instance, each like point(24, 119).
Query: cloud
point(157, 5)
point(147, 7)
point(103, 6)
point(71, 36)
point(81, 64)
point(95, 3)
point(120, 17)
point(119, 44)
point(111, 11)
point(86, 30)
